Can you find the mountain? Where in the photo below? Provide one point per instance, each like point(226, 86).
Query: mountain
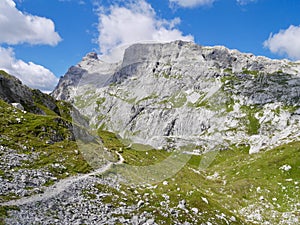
point(179, 93)
point(164, 138)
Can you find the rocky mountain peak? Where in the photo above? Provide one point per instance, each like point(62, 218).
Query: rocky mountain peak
point(90, 55)
point(176, 93)
point(154, 51)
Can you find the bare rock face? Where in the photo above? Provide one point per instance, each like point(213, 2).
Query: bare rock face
point(17, 105)
point(90, 67)
point(180, 93)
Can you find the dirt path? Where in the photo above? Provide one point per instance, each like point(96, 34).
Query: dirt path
point(61, 186)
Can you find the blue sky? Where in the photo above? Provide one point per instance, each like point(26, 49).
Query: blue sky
point(41, 39)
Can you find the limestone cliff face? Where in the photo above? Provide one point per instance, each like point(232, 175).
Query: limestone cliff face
point(180, 93)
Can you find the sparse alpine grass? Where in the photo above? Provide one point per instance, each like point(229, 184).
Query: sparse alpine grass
point(47, 137)
point(237, 188)
point(251, 188)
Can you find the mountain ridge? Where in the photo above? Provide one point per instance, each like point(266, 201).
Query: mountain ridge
point(158, 92)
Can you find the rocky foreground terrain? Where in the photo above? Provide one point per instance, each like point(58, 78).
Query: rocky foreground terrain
point(174, 134)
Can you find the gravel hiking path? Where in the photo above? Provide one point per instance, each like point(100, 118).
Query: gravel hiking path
point(60, 186)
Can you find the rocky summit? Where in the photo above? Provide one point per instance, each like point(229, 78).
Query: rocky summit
point(161, 137)
point(179, 93)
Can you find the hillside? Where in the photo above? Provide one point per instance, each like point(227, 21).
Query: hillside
point(36, 140)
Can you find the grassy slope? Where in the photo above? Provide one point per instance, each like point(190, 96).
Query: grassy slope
point(253, 188)
point(45, 136)
point(34, 135)
point(233, 183)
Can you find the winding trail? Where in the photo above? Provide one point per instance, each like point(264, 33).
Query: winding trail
point(62, 185)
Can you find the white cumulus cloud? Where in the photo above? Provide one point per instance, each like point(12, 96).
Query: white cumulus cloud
point(17, 27)
point(132, 23)
point(31, 74)
point(285, 42)
point(191, 3)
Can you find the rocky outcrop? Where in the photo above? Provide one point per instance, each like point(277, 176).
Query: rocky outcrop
point(90, 66)
point(26, 99)
point(180, 93)
point(13, 91)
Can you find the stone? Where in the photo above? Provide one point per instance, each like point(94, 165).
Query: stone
point(195, 210)
point(181, 204)
point(150, 222)
point(140, 203)
point(204, 200)
point(17, 105)
point(285, 168)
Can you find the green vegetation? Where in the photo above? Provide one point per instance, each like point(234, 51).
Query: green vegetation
point(250, 72)
point(6, 75)
point(46, 110)
point(121, 97)
point(4, 212)
point(233, 181)
point(152, 96)
point(200, 103)
point(47, 137)
point(291, 108)
point(228, 70)
point(82, 101)
point(133, 154)
point(100, 101)
point(65, 109)
point(217, 102)
point(171, 76)
point(177, 100)
point(253, 124)
point(62, 153)
point(246, 173)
